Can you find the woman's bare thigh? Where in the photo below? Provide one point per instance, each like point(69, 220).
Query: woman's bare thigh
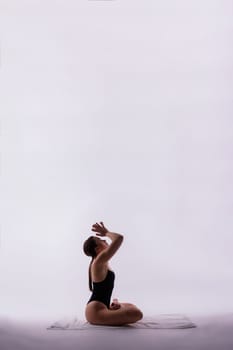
point(98, 313)
point(128, 305)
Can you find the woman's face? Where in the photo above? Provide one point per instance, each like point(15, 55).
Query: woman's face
point(101, 243)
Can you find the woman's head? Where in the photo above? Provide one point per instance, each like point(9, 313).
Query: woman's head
point(89, 247)
point(93, 246)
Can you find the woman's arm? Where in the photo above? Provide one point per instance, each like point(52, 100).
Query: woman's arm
point(116, 238)
point(113, 235)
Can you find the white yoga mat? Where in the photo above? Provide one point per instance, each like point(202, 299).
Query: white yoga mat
point(161, 321)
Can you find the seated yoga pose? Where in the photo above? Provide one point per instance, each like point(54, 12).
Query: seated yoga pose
point(101, 282)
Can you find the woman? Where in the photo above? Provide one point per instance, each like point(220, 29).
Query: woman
point(98, 309)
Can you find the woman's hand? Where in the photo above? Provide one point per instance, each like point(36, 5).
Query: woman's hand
point(115, 305)
point(100, 228)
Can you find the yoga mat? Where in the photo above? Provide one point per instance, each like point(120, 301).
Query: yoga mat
point(161, 321)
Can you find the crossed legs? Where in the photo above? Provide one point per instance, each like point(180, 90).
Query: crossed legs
point(98, 314)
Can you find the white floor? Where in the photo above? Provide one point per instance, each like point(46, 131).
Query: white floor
point(213, 332)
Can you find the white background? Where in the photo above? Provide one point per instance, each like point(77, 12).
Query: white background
point(116, 111)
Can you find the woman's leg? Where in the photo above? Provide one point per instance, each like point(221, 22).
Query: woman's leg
point(98, 314)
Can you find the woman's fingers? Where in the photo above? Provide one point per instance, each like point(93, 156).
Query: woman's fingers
point(96, 225)
point(99, 228)
point(103, 225)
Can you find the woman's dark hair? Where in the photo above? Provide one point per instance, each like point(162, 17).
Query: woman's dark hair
point(89, 249)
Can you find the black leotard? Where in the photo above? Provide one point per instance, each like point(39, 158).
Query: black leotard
point(102, 291)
